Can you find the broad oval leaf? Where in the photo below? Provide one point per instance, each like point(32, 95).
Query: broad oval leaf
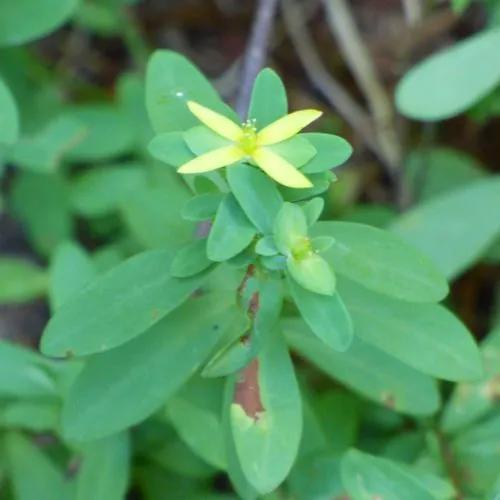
point(451, 81)
point(231, 231)
point(104, 470)
point(382, 262)
point(202, 207)
point(257, 195)
point(195, 414)
point(170, 148)
point(26, 460)
point(45, 151)
point(425, 336)
point(24, 20)
point(366, 477)
point(331, 151)
point(190, 260)
point(99, 191)
point(123, 386)
point(290, 228)
point(269, 101)
point(71, 269)
point(367, 370)
point(9, 118)
point(266, 416)
point(326, 316)
point(454, 229)
point(110, 132)
point(171, 81)
point(118, 306)
point(23, 374)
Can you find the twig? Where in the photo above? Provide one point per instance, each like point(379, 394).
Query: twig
point(256, 52)
point(228, 81)
point(356, 55)
point(413, 11)
point(331, 89)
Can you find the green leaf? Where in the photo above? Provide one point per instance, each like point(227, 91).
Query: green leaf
point(266, 246)
point(110, 132)
point(476, 450)
point(171, 81)
point(190, 260)
point(266, 416)
point(202, 207)
point(459, 6)
point(331, 151)
point(425, 336)
point(41, 203)
point(153, 215)
point(23, 374)
point(313, 209)
point(201, 140)
point(23, 21)
point(33, 475)
point(317, 476)
point(37, 416)
point(312, 273)
point(123, 386)
point(101, 190)
point(70, 270)
point(20, 281)
point(367, 370)
point(118, 306)
point(257, 194)
point(238, 480)
point(45, 151)
point(269, 101)
point(322, 243)
point(290, 228)
point(9, 117)
point(452, 80)
point(432, 172)
point(195, 413)
point(321, 182)
point(231, 231)
point(326, 316)
point(382, 262)
point(456, 228)
point(365, 477)
point(297, 150)
point(170, 148)
point(104, 471)
point(471, 401)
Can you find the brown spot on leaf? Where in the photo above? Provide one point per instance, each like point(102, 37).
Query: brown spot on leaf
point(250, 272)
point(253, 306)
point(247, 392)
point(155, 314)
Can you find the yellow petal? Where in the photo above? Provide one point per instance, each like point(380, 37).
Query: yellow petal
point(215, 121)
point(218, 158)
point(279, 169)
point(286, 127)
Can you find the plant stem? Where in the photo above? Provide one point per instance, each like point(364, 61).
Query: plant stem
point(332, 90)
point(256, 52)
point(353, 48)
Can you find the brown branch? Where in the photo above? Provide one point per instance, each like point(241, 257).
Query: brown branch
point(256, 52)
point(332, 90)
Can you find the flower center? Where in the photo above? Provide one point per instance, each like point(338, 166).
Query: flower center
point(248, 139)
point(302, 249)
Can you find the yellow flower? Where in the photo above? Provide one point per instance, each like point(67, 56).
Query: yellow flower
point(250, 144)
